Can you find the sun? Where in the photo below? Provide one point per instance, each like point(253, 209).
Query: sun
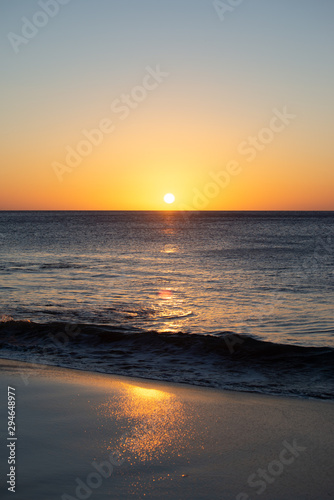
point(169, 198)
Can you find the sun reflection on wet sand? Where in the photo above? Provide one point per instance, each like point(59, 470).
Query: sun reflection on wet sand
point(159, 423)
point(150, 393)
point(159, 433)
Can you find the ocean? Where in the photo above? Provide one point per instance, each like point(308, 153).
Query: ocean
point(232, 300)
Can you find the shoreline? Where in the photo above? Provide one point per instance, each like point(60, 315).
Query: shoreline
point(160, 439)
point(42, 366)
point(37, 369)
point(227, 361)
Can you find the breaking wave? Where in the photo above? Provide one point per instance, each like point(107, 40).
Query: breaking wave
point(221, 360)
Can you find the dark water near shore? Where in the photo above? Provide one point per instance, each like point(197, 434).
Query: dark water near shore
point(240, 300)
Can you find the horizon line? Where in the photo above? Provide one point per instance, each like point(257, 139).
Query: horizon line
point(181, 211)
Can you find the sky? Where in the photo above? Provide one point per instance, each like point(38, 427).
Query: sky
point(109, 105)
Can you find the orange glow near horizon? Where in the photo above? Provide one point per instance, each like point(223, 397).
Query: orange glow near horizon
point(173, 158)
point(130, 122)
point(113, 178)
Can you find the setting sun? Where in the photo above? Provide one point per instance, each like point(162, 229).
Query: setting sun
point(169, 198)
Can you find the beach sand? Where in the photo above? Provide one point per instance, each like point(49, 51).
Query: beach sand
point(160, 440)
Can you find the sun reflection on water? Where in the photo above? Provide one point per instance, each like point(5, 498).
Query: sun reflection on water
point(165, 293)
point(168, 248)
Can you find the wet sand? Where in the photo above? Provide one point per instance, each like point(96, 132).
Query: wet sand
point(84, 435)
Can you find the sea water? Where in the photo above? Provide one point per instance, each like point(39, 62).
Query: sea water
point(237, 300)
